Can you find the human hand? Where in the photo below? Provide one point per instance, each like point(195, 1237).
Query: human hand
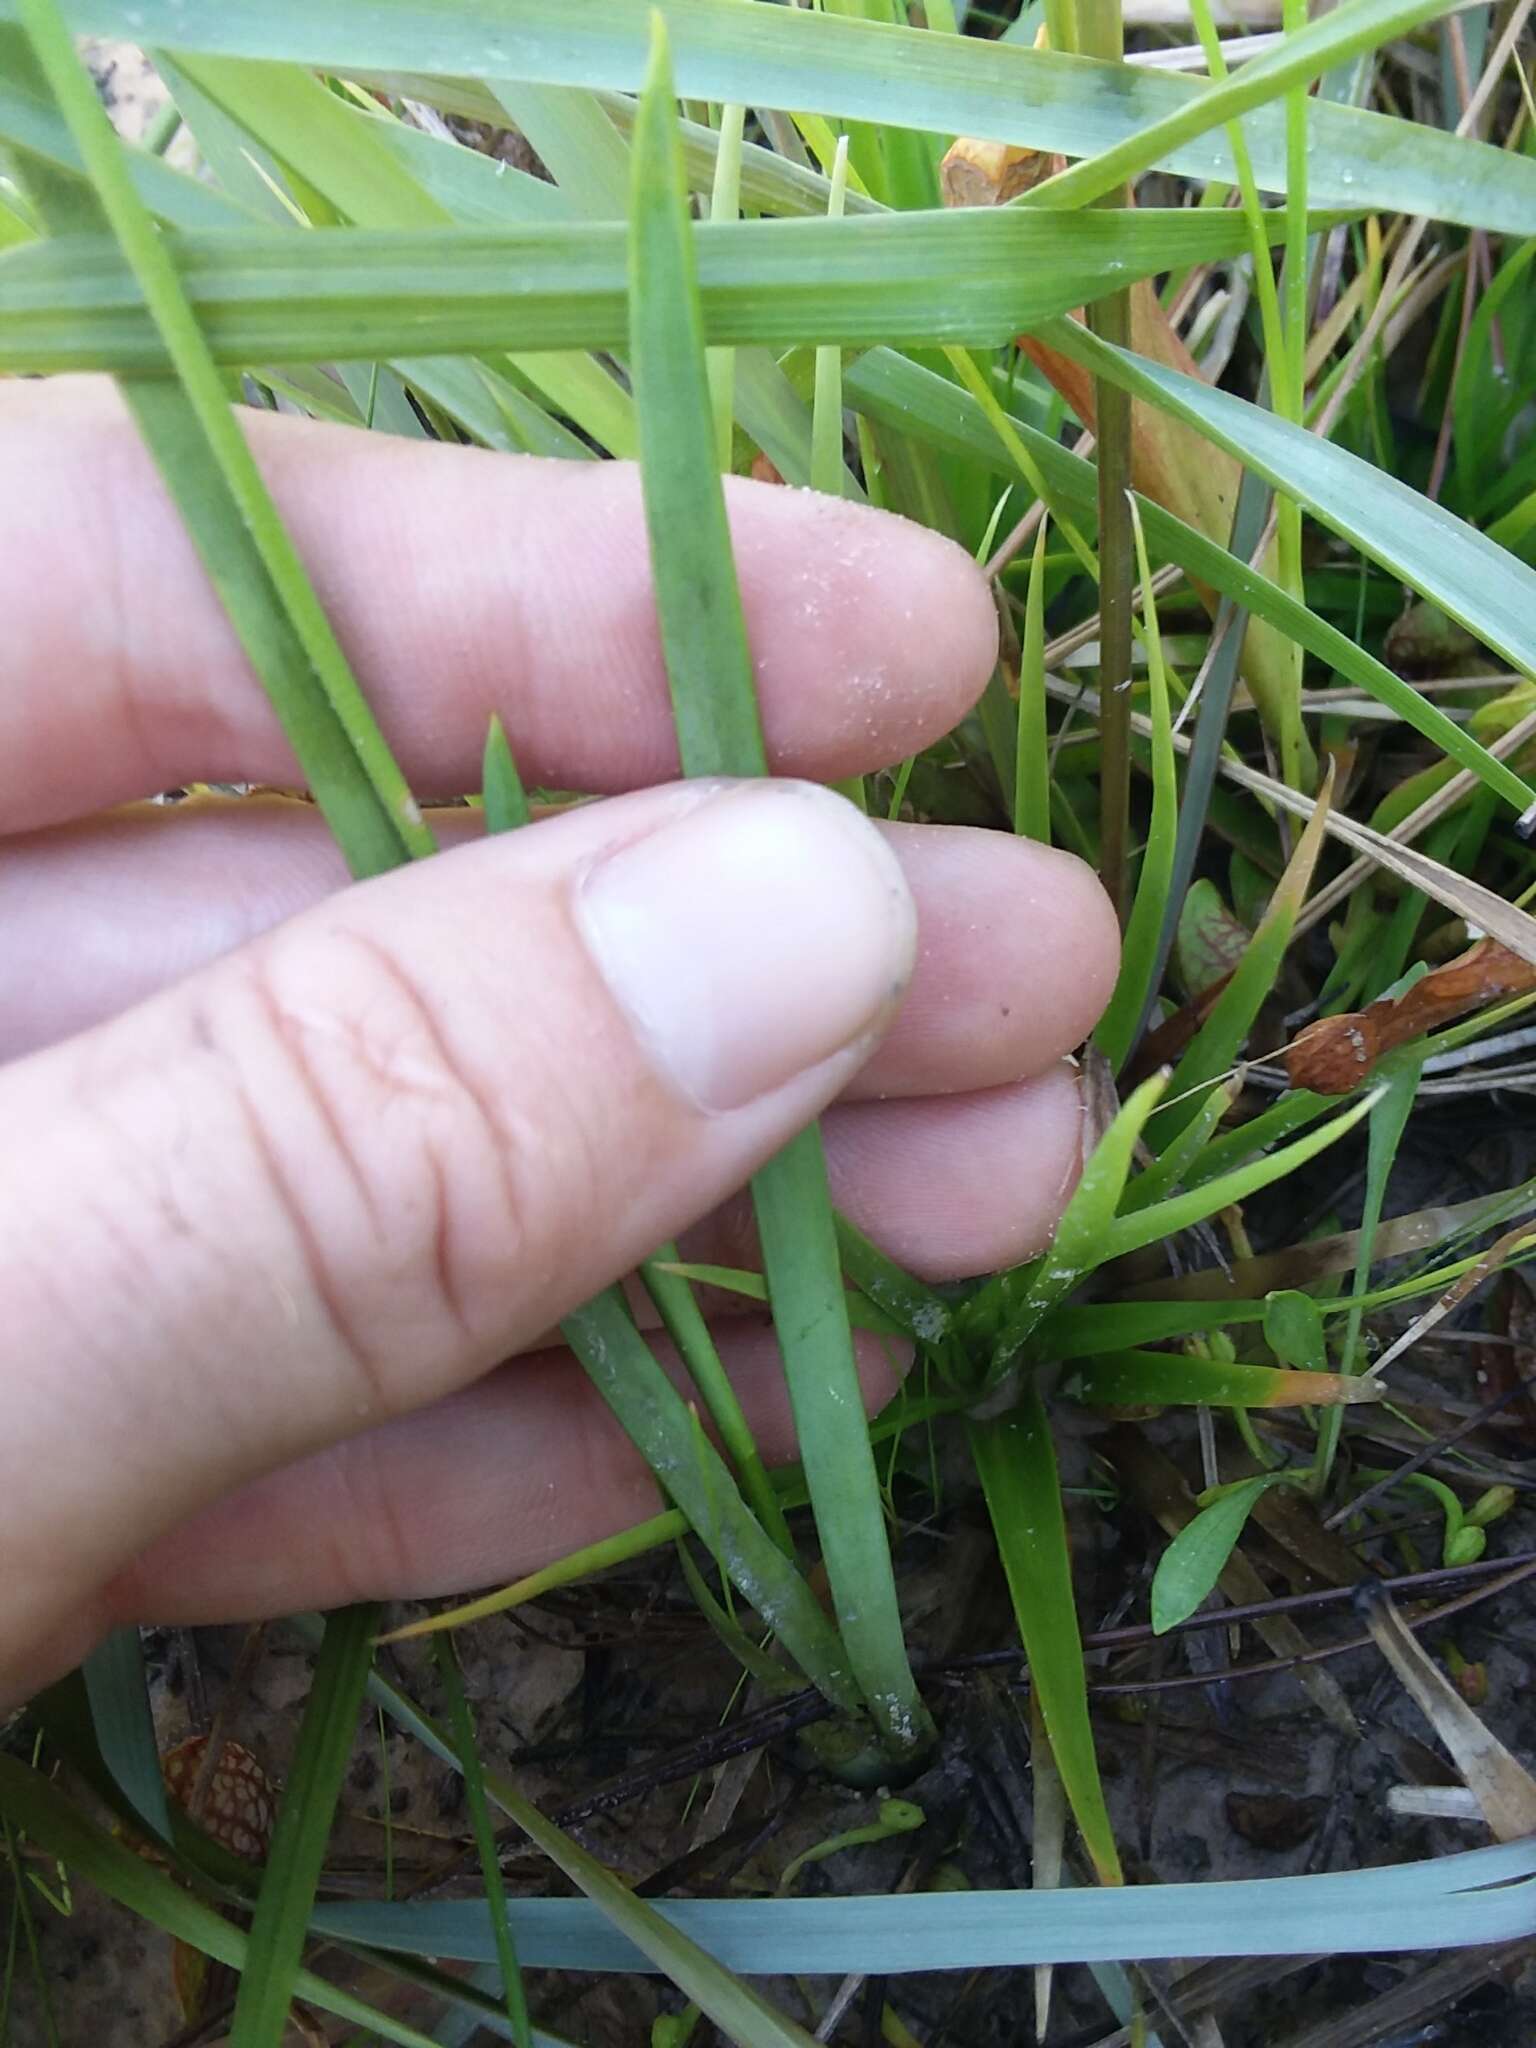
point(290, 1168)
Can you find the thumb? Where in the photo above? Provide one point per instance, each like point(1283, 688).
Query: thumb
point(353, 1165)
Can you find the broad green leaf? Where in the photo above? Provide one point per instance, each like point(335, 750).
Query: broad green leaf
point(1293, 1330)
point(1188, 1569)
point(302, 1830)
point(860, 70)
point(889, 388)
point(975, 275)
point(1016, 1462)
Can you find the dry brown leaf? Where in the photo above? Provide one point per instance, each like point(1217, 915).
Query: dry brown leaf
point(976, 173)
point(1504, 1788)
point(1334, 1054)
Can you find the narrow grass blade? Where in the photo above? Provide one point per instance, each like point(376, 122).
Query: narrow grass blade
point(193, 435)
point(709, 666)
point(1479, 584)
point(719, 733)
point(973, 276)
point(1391, 1106)
point(1079, 1243)
point(654, 1415)
point(1181, 1161)
point(1219, 1039)
point(865, 71)
point(270, 1980)
point(827, 412)
point(674, 1298)
point(1134, 988)
point(923, 1314)
point(118, 1691)
point(56, 1825)
point(1354, 26)
point(1179, 1212)
point(505, 799)
point(462, 1724)
point(888, 387)
point(1016, 1463)
point(611, 1916)
point(1134, 1379)
point(805, 1291)
point(1032, 761)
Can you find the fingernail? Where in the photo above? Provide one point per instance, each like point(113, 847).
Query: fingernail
point(752, 938)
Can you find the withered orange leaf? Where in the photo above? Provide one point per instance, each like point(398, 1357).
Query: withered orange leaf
point(1336, 1053)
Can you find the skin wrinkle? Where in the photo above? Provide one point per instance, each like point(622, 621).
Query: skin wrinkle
point(365, 1368)
point(518, 1201)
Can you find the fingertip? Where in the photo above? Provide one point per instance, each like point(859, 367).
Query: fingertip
point(971, 1184)
point(896, 621)
point(1066, 894)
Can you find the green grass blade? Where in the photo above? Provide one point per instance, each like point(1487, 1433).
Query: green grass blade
point(1216, 1044)
point(674, 1298)
point(976, 276)
point(805, 1292)
point(1354, 26)
point(1179, 1212)
point(118, 1691)
point(194, 436)
point(613, 1917)
point(691, 1471)
point(1016, 1462)
point(461, 1723)
point(1479, 584)
point(889, 388)
point(1181, 1160)
point(860, 70)
point(302, 1829)
point(827, 412)
point(1135, 1379)
point(1392, 1105)
point(1078, 1246)
point(1032, 758)
point(505, 799)
point(1134, 990)
point(912, 1305)
point(55, 1824)
point(709, 666)
point(715, 708)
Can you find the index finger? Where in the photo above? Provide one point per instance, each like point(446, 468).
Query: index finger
point(460, 583)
